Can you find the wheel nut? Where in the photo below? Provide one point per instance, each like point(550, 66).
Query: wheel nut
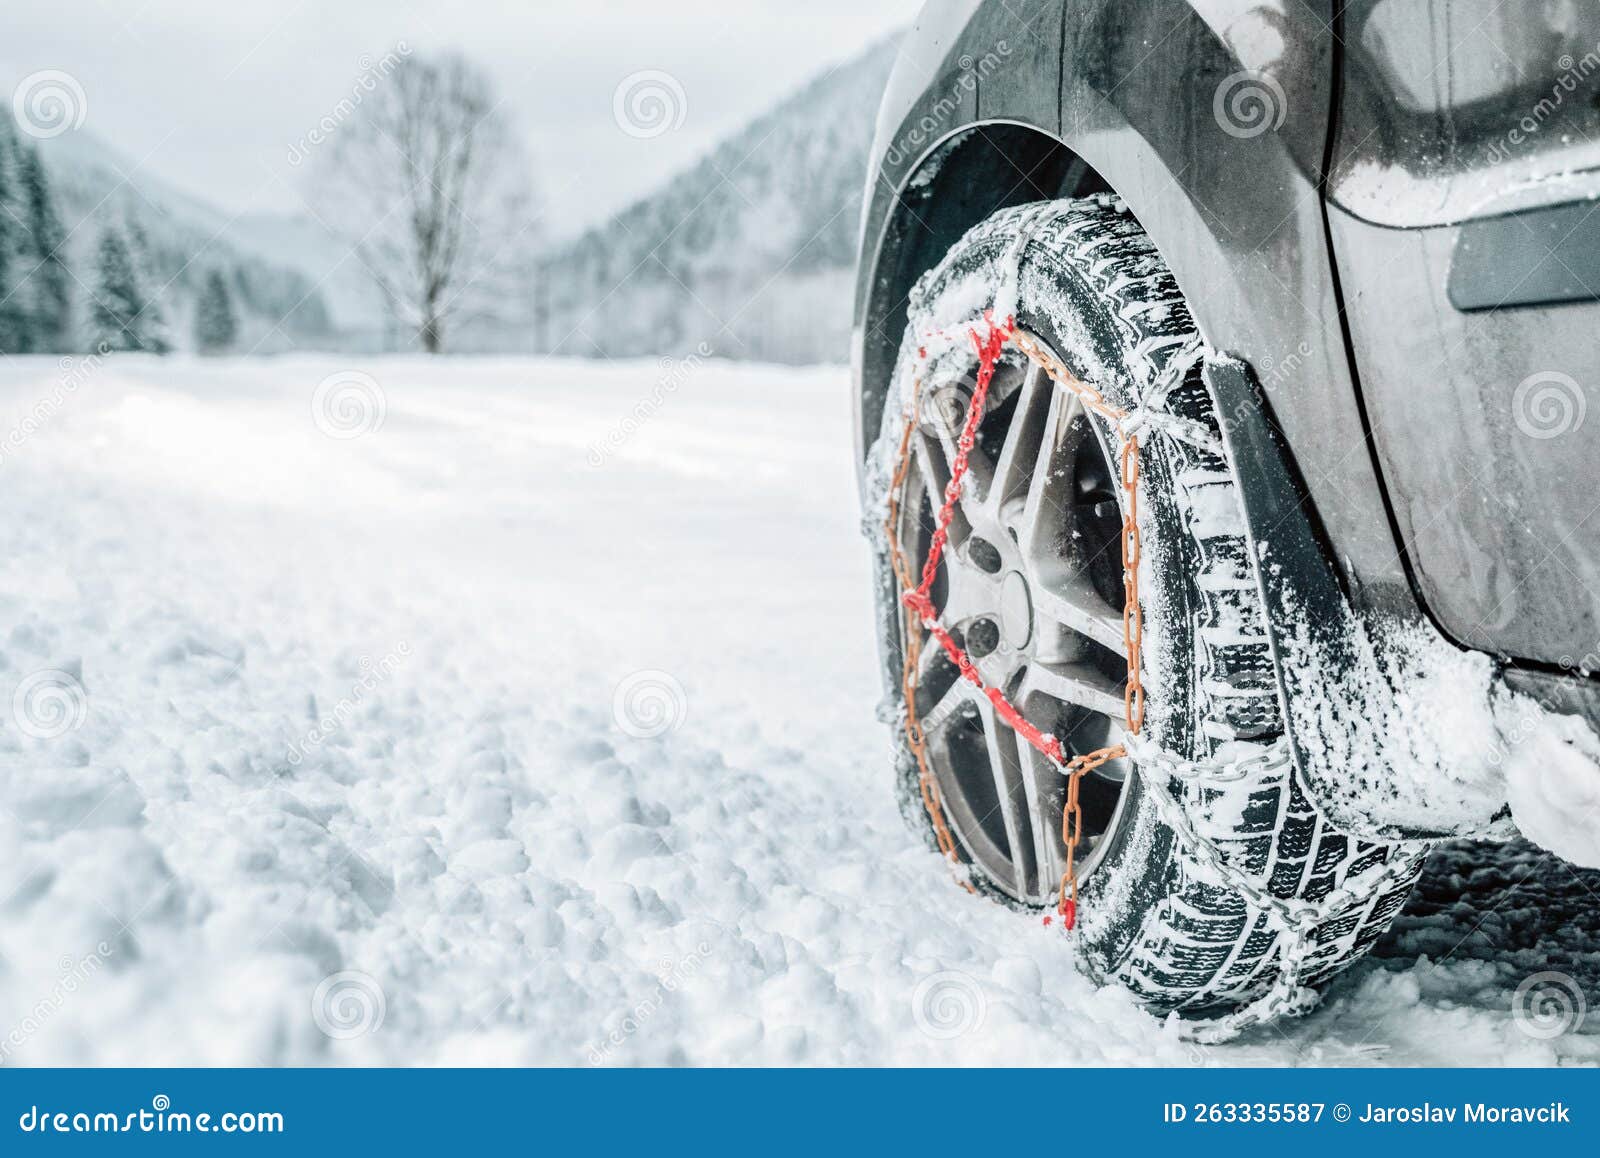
point(983, 636)
point(984, 555)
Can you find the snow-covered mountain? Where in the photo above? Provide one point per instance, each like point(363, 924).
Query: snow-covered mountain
point(182, 239)
point(749, 251)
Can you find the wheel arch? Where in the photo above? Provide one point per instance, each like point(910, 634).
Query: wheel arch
point(955, 185)
point(989, 107)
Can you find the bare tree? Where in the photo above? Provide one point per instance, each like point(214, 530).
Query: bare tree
point(427, 182)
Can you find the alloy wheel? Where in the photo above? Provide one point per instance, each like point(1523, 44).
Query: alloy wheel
point(1031, 586)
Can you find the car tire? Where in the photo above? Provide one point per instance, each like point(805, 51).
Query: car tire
point(1158, 916)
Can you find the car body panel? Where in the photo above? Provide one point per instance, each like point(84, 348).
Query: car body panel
point(1450, 111)
point(1464, 226)
point(1479, 423)
point(1418, 483)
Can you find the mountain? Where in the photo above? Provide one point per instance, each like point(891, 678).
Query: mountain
point(750, 250)
point(180, 239)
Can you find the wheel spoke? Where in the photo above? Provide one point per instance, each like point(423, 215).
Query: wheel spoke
point(935, 471)
point(1020, 450)
point(1046, 792)
point(1072, 601)
point(1044, 511)
point(1006, 766)
point(980, 471)
point(1079, 684)
point(952, 706)
point(929, 659)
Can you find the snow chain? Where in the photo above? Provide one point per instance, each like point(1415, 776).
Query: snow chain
point(1298, 920)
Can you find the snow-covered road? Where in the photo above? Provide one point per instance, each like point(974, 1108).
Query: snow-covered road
point(602, 782)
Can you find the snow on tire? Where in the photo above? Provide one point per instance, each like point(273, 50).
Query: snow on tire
point(1158, 915)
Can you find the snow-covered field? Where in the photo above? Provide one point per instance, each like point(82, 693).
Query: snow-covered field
point(521, 729)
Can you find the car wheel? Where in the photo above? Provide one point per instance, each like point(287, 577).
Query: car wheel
point(1212, 897)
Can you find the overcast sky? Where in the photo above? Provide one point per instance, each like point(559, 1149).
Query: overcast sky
point(211, 94)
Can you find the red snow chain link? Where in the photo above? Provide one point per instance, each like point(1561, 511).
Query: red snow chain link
point(990, 340)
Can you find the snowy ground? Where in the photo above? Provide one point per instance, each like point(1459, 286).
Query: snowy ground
point(488, 857)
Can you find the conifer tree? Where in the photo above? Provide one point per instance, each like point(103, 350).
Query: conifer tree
point(15, 336)
point(123, 317)
point(216, 324)
point(49, 282)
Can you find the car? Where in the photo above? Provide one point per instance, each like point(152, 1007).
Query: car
point(1221, 372)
